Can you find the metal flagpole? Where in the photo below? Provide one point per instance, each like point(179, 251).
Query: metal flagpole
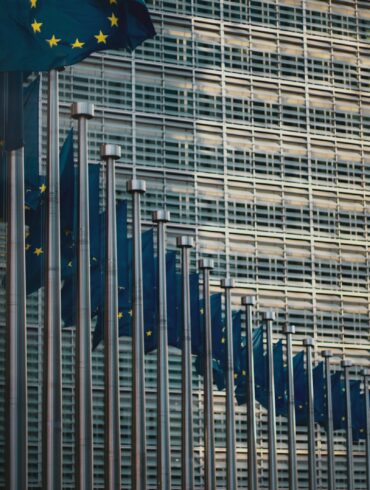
point(16, 428)
point(138, 457)
point(232, 479)
point(289, 330)
point(346, 364)
point(366, 373)
point(329, 421)
point(249, 302)
point(206, 265)
point(52, 386)
point(268, 318)
point(185, 243)
point(163, 410)
point(82, 111)
point(112, 433)
point(309, 343)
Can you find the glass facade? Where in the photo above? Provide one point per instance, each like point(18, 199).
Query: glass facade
point(250, 122)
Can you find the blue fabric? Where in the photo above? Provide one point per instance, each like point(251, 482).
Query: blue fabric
point(339, 401)
point(300, 389)
point(280, 378)
point(56, 33)
point(11, 107)
point(319, 393)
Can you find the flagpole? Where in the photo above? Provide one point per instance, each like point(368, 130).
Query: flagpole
point(366, 373)
point(309, 344)
point(269, 317)
point(138, 446)
point(206, 265)
point(327, 354)
point(16, 428)
point(52, 369)
point(112, 433)
point(185, 243)
point(232, 479)
point(82, 111)
point(249, 302)
point(163, 411)
point(346, 364)
point(289, 330)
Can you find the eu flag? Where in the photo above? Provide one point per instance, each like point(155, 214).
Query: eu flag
point(38, 35)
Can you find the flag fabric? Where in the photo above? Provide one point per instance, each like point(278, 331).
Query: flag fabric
point(38, 35)
point(11, 126)
point(319, 393)
point(339, 401)
point(358, 411)
point(280, 379)
point(31, 128)
point(11, 107)
point(300, 389)
point(260, 367)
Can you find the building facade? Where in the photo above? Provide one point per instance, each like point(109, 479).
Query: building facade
point(250, 122)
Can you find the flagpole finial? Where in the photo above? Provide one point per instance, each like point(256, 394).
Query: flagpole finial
point(326, 353)
point(136, 185)
point(248, 300)
point(309, 342)
point(161, 216)
point(82, 109)
point(269, 315)
point(206, 264)
point(185, 241)
point(346, 363)
point(108, 151)
point(227, 283)
point(289, 329)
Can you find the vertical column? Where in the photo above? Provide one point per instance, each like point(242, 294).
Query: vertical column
point(268, 318)
point(366, 373)
point(346, 364)
point(185, 243)
point(207, 265)
point(82, 111)
point(16, 411)
point(52, 366)
point(163, 415)
point(112, 437)
point(329, 420)
point(249, 302)
point(138, 458)
point(289, 330)
point(309, 344)
point(232, 479)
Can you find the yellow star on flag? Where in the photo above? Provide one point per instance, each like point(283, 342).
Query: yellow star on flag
point(77, 44)
point(222, 340)
point(130, 312)
point(149, 333)
point(113, 2)
point(70, 263)
point(38, 251)
point(101, 38)
point(244, 373)
point(33, 4)
point(235, 376)
point(36, 26)
point(113, 20)
point(28, 246)
point(42, 188)
point(120, 315)
point(202, 311)
point(53, 41)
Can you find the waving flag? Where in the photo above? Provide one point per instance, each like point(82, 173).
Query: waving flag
point(39, 35)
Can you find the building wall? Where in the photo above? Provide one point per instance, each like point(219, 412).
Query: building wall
point(250, 122)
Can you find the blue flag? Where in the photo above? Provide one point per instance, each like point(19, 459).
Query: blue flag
point(280, 378)
point(260, 367)
point(38, 35)
point(339, 401)
point(11, 105)
point(358, 411)
point(319, 393)
point(300, 389)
